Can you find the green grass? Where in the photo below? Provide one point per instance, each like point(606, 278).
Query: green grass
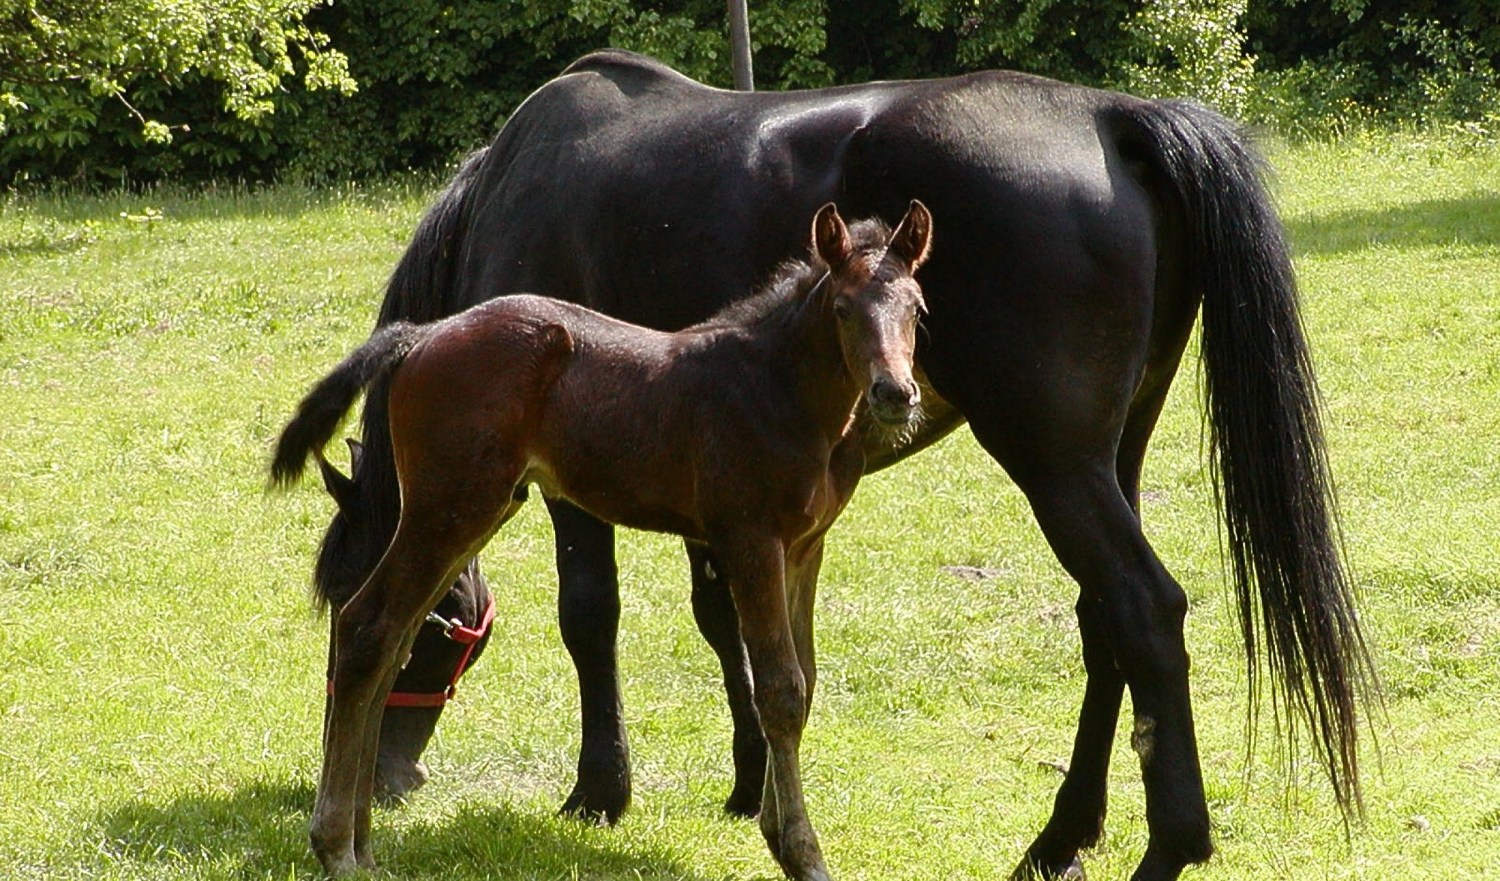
point(160, 668)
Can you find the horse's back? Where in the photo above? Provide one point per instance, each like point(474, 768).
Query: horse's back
point(628, 187)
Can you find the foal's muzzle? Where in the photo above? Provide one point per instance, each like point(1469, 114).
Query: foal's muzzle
point(892, 402)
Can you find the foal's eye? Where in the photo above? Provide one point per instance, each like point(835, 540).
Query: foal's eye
point(841, 308)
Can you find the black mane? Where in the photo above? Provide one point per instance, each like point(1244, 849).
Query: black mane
point(793, 278)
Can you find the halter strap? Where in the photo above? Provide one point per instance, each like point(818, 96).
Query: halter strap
point(455, 630)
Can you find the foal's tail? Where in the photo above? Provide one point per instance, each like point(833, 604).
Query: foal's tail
point(1265, 432)
point(321, 411)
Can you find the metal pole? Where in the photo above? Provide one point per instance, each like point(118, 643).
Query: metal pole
point(739, 44)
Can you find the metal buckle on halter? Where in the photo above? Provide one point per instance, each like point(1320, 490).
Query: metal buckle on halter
point(448, 624)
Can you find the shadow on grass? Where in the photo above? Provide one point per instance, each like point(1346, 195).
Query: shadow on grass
point(1469, 220)
point(260, 831)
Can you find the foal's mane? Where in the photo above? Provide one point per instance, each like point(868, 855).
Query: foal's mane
point(781, 293)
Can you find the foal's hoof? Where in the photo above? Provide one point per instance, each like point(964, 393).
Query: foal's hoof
point(1033, 871)
point(395, 779)
point(339, 864)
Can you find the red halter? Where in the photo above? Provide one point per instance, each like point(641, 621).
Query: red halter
point(454, 629)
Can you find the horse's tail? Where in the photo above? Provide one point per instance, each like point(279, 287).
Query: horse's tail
point(323, 409)
point(421, 289)
point(1272, 473)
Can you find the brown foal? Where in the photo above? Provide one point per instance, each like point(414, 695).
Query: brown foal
point(737, 434)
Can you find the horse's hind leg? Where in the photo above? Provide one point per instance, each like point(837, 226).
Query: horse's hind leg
point(713, 609)
point(1077, 820)
point(588, 612)
point(1134, 612)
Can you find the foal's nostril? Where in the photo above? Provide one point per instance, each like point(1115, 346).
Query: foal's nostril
point(887, 393)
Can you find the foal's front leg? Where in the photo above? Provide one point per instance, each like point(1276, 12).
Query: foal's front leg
point(713, 609)
point(757, 568)
point(802, 569)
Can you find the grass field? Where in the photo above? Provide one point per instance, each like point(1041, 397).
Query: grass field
point(160, 665)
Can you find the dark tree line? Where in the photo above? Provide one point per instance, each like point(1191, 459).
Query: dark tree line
point(437, 77)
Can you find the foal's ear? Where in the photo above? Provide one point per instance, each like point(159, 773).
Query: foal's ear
point(831, 237)
point(340, 487)
point(912, 240)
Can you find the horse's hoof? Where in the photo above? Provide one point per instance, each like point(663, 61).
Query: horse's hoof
point(797, 852)
point(595, 809)
point(1034, 871)
point(743, 804)
point(340, 865)
point(396, 779)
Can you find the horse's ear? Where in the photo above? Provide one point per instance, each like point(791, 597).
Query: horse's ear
point(340, 487)
point(912, 240)
point(831, 237)
point(356, 454)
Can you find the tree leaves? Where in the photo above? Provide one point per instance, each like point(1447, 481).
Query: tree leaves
point(64, 51)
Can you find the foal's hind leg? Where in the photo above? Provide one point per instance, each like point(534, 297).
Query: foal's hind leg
point(374, 632)
point(713, 609)
point(588, 612)
point(405, 731)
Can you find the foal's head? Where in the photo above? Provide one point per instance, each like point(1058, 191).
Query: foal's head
point(877, 303)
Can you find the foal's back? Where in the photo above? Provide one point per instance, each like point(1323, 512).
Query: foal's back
point(622, 420)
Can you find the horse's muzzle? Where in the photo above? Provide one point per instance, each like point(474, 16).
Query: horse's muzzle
point(892, 402)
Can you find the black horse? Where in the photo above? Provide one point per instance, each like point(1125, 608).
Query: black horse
point(1083, 229)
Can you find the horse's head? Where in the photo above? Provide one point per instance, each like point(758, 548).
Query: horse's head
point(352, 545)
point(877, 301)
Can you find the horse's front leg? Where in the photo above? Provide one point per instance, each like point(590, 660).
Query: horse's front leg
point(713, 609)
point(757, 573)
point(588, 612)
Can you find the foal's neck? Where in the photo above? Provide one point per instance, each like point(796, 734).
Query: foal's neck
point(815, 355)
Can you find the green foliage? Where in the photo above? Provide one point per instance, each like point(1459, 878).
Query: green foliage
point(1067, 39)
point(1332, 64)
point(68, 67)
point(437, 77)
point(1194, 48)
